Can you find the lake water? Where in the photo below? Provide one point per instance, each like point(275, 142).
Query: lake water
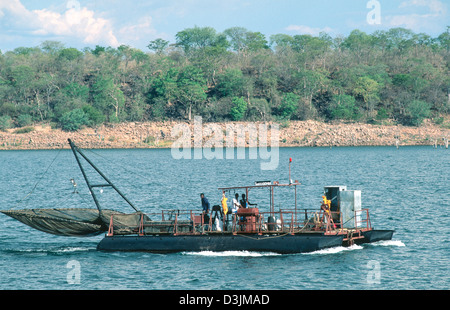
point(406, 189)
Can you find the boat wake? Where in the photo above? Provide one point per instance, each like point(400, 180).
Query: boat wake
point(231, 254)
point(335, 250)
point(389, 243)
point(51, 251)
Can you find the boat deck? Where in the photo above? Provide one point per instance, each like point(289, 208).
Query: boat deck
point(246, 222)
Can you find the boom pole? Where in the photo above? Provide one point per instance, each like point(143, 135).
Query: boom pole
point(77, 151)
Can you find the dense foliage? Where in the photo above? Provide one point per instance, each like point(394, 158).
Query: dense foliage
point(234, 75)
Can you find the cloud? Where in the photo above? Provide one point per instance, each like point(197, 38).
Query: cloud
point(435, 6)
point(425, 15)
point(301, 29)
point(74, 22)
point(143, 30)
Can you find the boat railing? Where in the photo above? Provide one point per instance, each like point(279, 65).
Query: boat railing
point(362, 219)
point(182, 222)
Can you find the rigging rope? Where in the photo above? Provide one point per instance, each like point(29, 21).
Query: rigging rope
point(39, 181)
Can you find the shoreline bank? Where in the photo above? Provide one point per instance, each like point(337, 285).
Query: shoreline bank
point(159, 135)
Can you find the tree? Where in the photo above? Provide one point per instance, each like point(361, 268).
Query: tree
point(106, 96)
point(159, 46)
point(52, 47)
point(367, 89)
point(230, 83)
point(95, 117)
point(344, 108)
point(416, 112)
point(281, 40)
point(70, 54)
point(73, 120)
point(191, 89)
point(237, 38)
point(244, 41)
point(289, 105)
point(238, 109)
point(5, 122)
point(195, 38)
point(444, 39)
point(255, 41)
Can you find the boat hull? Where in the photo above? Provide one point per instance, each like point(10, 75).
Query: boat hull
point(283, 244)
point(377, 235)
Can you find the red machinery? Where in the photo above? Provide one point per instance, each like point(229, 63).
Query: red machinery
point(248, 219)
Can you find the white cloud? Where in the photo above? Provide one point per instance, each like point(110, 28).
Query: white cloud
point(75, 22)
point(424, 16)
point(137, 32)
point(301, 29)
point(435, 6)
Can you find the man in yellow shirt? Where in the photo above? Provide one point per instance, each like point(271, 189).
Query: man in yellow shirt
point(224, 203)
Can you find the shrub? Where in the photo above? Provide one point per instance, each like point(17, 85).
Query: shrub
point(289, 104)
point(238, 109)
point(94, 115)
point(24, 130)
point(344, 108)
point(24, 120)
point(5, 122)
point(73, 120)
point(416, 112)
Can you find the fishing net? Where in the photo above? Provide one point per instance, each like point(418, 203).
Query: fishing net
point(74, 222)
point(126, 224)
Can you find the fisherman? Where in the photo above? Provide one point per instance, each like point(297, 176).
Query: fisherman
point(205, 206)
point(326, 207)
point(225, 210)
point(205, 203)
point(236, 205)
point(224, 203)
point(244, 202)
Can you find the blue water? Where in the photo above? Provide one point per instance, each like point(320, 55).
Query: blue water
point(405, 189)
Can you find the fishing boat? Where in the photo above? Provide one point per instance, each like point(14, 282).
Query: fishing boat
point(340, 221)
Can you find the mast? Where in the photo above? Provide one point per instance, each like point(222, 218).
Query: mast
point(77, 151)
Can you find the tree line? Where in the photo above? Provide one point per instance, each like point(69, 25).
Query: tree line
point(235, 75)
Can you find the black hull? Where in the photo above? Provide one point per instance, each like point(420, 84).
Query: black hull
point(377, 235)
point(286, 244)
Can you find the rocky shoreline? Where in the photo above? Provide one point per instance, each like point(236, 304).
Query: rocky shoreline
point(159, 135)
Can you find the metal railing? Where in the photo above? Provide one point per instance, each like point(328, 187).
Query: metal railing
point(180, 222)
point(362, 219)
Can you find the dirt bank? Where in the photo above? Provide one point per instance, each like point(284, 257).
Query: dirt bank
point(158, 135)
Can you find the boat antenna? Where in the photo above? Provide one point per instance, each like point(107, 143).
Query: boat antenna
point(290, 161)
point(77, 151)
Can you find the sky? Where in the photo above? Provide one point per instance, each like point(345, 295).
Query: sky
point(87, 23)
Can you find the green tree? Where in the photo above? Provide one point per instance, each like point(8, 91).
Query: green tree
point(238, 109)
point(5, 122)
point(108, 98)
point(230, 83)
point(192, 39)
point(24, 120)
point(94, 116)
point(237, 38)
point(289, 105)
point(367, 89)
point(416, 112)
point(244, 41)
point(344, 108)
point(73, 120)
point(70, 54)
point(158, 46)
point(191, 89)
